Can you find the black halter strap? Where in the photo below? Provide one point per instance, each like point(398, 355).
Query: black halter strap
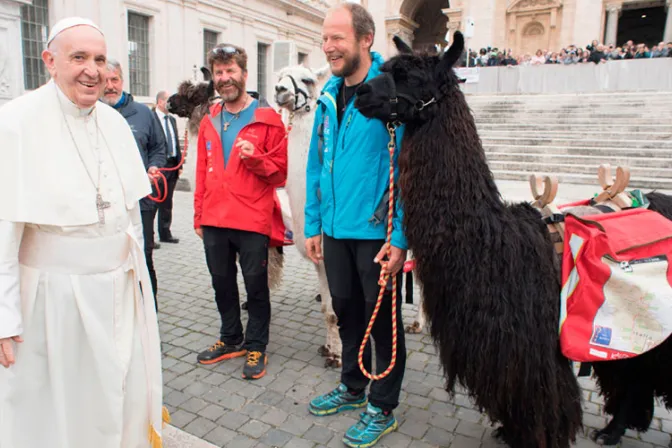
point(394, 98)
point(298, 91)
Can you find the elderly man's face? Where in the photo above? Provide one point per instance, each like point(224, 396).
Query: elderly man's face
point(76, 60)
point(114, 87)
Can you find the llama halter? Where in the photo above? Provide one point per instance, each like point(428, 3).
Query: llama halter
point(299, 91)
point(417, 103)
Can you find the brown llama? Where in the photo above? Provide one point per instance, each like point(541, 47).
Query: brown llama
point(489, 271)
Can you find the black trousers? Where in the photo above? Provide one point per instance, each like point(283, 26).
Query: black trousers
point(148, 235)
point(353, 282)
point(221, 248)
point(166, 207)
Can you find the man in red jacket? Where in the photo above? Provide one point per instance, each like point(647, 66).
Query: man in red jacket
point(242, 158)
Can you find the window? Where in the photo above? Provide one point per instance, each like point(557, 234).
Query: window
point(303, 59)
point(34, 33)
point(262, 69)
point(138, 53)
point(210, 39)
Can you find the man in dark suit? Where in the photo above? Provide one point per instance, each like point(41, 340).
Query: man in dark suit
point(173, 156)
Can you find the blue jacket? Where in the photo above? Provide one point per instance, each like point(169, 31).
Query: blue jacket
point(149, 137)
point(347, 176)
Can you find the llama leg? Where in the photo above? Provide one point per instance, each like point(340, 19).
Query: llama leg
point(332, 348)
point(636, 406)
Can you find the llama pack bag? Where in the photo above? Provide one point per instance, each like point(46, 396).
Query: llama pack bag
point(616, 299)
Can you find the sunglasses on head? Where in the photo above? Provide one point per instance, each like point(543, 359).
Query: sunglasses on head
point(225, 50)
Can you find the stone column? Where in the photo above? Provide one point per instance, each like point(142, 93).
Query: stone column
point(613, 12)
point(667, 36)
point(11, 50)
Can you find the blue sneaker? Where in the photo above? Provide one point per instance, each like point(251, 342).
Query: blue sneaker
point(372, 425)
point(336, 401)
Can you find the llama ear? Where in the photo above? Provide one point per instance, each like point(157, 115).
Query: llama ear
point(402, 46)
point(451, 56)
point(211, 89)
point(323, 72)
point(207, 76)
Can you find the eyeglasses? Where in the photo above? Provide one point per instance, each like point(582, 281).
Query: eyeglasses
point(225, 50)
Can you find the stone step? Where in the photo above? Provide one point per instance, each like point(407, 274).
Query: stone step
point(563, 134)
point(525, 115)
point(571, 121)
point(572, 142)
point(563, 98)
point(570, 168)
point(550, 106)
point(643, 163)
point(574, 178)
point(618, 152)
point(593, 128)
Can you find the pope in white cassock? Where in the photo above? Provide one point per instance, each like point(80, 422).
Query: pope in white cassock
point(78, 341)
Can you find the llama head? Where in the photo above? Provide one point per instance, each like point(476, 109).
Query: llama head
point(410, 84)
point(192, 100)
point(298, 87)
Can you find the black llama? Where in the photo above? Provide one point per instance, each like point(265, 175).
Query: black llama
point(489, 272)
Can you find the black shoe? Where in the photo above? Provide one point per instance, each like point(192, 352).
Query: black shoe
point(170, 240)
point(255, 366)
point(156, 245)
point(219, 352)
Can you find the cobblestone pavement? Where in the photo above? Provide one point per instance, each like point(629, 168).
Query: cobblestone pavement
point(215, 404)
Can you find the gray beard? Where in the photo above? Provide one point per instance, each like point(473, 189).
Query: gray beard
point(110, 101)
point(231, 97)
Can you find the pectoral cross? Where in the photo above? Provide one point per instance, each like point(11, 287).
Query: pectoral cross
point(226, 126)
point(101, 206)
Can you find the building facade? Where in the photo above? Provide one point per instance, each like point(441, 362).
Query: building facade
point(160, 43)
point(522, 25)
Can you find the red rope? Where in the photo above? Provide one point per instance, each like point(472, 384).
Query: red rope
point(160, 197)
point(384, 277)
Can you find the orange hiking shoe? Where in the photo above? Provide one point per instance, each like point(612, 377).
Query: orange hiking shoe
point(219, 352)
point(255, 367)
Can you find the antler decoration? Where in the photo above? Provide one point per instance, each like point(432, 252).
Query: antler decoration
point(544, 189)
point(613, 191)
point(549, 189)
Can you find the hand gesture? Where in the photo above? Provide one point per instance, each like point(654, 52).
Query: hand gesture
point(394, 264)
point(7, 350)
point(246, 149)
point(314, 248)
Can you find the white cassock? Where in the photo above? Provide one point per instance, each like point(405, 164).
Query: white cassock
point(89, 372)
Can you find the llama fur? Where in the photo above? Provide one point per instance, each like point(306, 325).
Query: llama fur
point(487, 270)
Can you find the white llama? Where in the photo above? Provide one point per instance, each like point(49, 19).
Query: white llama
point(296, 94)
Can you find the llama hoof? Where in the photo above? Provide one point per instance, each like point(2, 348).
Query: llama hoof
point(244, 306)
point(323, 351)
point(605, 437)
point(332, 361)
point(318, 298)
point(414, 328)
point(499, 435)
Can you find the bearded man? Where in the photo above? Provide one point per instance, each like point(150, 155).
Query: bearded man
point(347, 179)
point(242, 158)
point(79, 339)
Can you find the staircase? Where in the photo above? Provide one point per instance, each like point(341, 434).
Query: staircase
point(571, 135)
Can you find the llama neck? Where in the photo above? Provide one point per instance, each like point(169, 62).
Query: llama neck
point(448, 148)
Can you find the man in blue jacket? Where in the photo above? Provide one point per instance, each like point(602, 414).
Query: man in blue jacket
point(151, 142)
point(347, 182)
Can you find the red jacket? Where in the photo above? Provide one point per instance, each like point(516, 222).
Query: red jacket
point(242, 194)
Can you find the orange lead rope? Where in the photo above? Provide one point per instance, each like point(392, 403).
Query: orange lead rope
point(384, 278)
point(162, 197)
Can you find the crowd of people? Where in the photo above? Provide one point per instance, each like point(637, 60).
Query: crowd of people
point(595, 53)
